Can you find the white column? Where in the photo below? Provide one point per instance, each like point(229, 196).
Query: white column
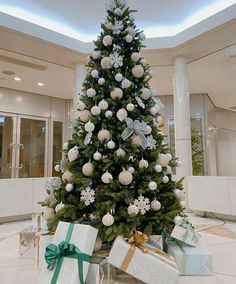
point(80, 73)
point(182, 119)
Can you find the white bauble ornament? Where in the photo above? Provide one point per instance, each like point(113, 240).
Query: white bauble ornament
point(111, 144)
point(65, 146)
point(142, 36)
point(121, 114)
point(118, 77)
point(97, 156)
point(120, 152)
point(84, 115)
point(178, 163)
point(137, 71)
point(108, 114)
point(152, 185)
point(128, 38)
point(91, 92)
point(154, 110)
point(107, 40)
point(106, 63)
point(57, 168)
point(94, 73)
point(133, 210)
point(69, 187)
point(168, 170)
point(125, 177)
point(183, 204)
point(89, 126)
point(67, 176)
point(155, 205)
point(104, 135)
point(81, 105)
point(95, 110)
point(178, 220)
point(103, 105)
point(96, 54)
point(131, 31)
point(148, 130)
point(87, 169)
point(158, 168)
point(73, 153)
point(130, 107)
point(116, 93)
point(107, 177)
point(135, 56)
point(97, 245)
point(143, 164)
point(101, 81)
point(59, 207)
point(125, 84)
point(169, 157)
point(179, 194)
point(107, 220)
point(135, 140)
point(118, 12)
point(163, 160)
point(131, 170)
point(165, 179)
point(145, 93)
point(48, 213)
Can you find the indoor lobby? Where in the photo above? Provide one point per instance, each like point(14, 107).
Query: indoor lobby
point(103, 111)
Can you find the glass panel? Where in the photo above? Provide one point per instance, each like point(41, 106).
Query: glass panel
point(32, 148)
point(6, 146)
point(57, 145)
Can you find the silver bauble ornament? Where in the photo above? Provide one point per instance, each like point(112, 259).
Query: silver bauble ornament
point(131, 170)
point(125, 177)
point(94, 73)
point(104, 135)
point(143, 164)
point(97, 156)
point(101, 81)
point(89, 126)
point(155, 205)
point(178, 220)
point(165, 179)
point(137, 71)
point(107, 40)
point(129, 38)
point(103, 105)
point(122, 114)
point(87, 169)
point(118, 77)
point(179, 194)
point(135, 56)
point(67, 176)
point(111, 144)
point(108, 114)
point(130, 107)
point(84, 115)
point(106, 63)
point(107, 177)
point(117, 93)
point(73, 154)
point(57, 168)
point(120, 152)
point(107, 220)
point(152, 185)
point(81, 105)
point(95, 110)
point(59, 207)
point(96, 54)
point(91, 92)
point(145, 93)
point(158, 168)
point(130, 31)
point(69, 187)
point(133, 210)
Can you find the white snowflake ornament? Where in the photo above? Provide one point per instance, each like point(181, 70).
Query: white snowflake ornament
point(143, 203)
point(116, 59)
point(117, 27)
point(87, 195)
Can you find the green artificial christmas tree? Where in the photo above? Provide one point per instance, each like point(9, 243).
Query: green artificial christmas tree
point(118, 172)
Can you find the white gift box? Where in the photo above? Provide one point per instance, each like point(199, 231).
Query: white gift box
point(83, 237)
point(156, 241)
point(43, 242)
point(96, 273)
point(189, 237)
point(150, 267)
point(191, 260)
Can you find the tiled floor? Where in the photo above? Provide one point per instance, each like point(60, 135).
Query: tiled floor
point(24, 271)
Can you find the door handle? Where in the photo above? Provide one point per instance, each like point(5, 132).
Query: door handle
point(21, 156)
point(9, 155)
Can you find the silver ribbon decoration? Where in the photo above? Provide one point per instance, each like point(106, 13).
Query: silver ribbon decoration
point(137, 127)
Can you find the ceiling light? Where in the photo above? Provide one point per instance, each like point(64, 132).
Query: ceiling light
point(40, 84)
point(17, 79)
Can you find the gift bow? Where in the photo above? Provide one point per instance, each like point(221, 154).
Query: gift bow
point(189, 230)
point(54, 256)
point(138, 128)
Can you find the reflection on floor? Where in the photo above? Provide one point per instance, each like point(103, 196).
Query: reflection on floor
point(220, 240)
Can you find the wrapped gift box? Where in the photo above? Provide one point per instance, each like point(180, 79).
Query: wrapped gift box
point(156, 241)
point(191, 260)
point(83, 237)
point(187, 236)
point(43, 242)
point(162, 268)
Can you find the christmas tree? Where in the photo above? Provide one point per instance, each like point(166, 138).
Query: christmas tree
point(117, 175)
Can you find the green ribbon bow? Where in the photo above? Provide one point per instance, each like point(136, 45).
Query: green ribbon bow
point(190, 232)
point(54, 256)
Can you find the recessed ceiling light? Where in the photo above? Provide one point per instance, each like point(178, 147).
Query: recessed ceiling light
point(40, 84)
point(17, 79)
point(8, 72)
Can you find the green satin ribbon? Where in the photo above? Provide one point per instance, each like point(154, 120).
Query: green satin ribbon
point(189, 231)
point(54, 256)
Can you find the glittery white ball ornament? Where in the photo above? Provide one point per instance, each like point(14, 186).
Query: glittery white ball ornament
point(117, 93)
point(69, 187)
point(155, 205)
point(94, 73)
point(108, 114)
point(89, 126)
point(87, 169)
point(120, 152)
point(133, 210)
point(73, 153)
point(137, 71)
point(107, 40)
point(107, 220)
point(131, 31)
point(104, 135)
point(103, 105)
point(106, 63)
point(130, 107)
point(118, 77)
point(84, 115)
point(135, 56)
point(111, 144)
point(59, 207)
point(65, 146)
point(67, 176)
point(165, 179)
point(128, 38)
point(57, 168)
point(97, 156)
point(101, 81)
point(125, 177)
point(145, 93)
point(121, 114)
point(96, 54)
point(152, 185)
point(178, 220)
point(179, 194)
point(107, 177)
point(158, 168)
point(48, 213)
point(125, 84)
point(91, 92)
point(81, 105)
point(143, 164)
point(183, 204)
point(131, 170)
point(95, 110)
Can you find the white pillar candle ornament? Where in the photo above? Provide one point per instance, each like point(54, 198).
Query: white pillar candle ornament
point(103, 105)
point(104, 135)
point(107, 40)
point(120, 152)
point(81, 105)
point(87, 169)
point(96, 54)
point(84, 115)
point(131, 170)
point(111, 144)
point(67, 176)
point(106, 63)
point(57, 168)
point(135, 56)
point(125, 177)
point(158, 168)
point(128, 38)
point(121, 114)
point(137, 71)
point(118, 77)
point(94, 73)
point(73, 153)
point(152, 185)
point(145, 93)
point(179, 194)
point(91, 92)
point(89, 126)
point(107, 177)
point(130, 107)
point(117, 93)
point(133, 210)
point(65, 146)
point(143, 164)
point(59, 207)
point(97, 156)
point(107, 220)
point(69, 187)
point(48, 213)
point(108, 114)
point(101, 81)
point(165, 179)
point(178, 220)
point(155, 205)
